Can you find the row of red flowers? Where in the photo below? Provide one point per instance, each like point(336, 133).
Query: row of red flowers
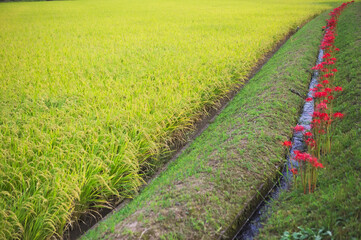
point(318, 139)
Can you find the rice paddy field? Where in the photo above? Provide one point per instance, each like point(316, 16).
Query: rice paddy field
point(90, 91)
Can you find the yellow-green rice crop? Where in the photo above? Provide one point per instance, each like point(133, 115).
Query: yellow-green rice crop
point(91, 89)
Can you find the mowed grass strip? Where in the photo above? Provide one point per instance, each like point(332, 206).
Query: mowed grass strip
point(91, 89)
point(335, 205)
point(200, 194)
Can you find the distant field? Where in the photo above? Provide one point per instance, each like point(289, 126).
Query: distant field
point(91, 89)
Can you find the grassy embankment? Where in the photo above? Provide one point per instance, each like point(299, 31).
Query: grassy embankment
point(91, 89)
point(200, 194)
point(336, 204)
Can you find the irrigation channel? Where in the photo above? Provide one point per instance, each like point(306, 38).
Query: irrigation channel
point(250, 228)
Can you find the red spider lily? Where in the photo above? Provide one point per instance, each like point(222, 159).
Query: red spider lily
point(311, 142)
point(322, 117)
point(338, 115)
point(331, 22)
point(296, 152)
point(287, 143)
point(328, 90)
point(318, 66)
point(299, 156)
point(329, 37)
point(320, 94)
point(321, 106)
point(325, 117)
point(304, 157)
point(299, 128)
point(313, 160)
point(308, 134)
point(318, 165)
point(325, 82)
point(326, 55)
point(316, 114)
point(338, 89)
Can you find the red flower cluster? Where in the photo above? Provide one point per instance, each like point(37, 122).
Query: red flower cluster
point(326, 92)
point(338, 89)
point(287, 143)
point(306, 157)
point(311, 142)
point(299, 128)
point(338, 115)
point(308, 134)
point(319, 140)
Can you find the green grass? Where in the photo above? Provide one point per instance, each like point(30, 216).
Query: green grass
point(92, 89)
point(336, 205)
point(200, 194)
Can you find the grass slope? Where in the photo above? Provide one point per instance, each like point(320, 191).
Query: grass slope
point(91, 89)
point(200, 194)
point(336, 205)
